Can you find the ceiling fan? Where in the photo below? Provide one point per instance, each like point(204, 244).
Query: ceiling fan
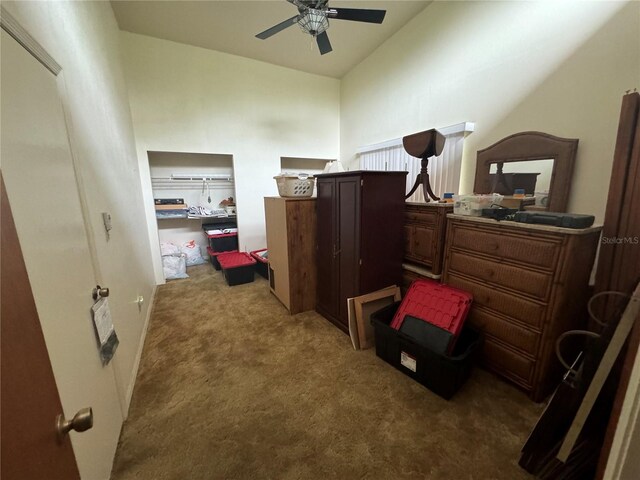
point(313, 17)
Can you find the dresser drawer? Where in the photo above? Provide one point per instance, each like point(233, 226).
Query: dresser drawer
point(526, 311)
point(507, 362)
point(421, 247)
point(508, 332)
point(521, 248)
point(510, 276)
point(413, 215)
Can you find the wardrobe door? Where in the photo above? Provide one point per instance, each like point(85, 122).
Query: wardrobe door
point(348, 247)
point(327, 272)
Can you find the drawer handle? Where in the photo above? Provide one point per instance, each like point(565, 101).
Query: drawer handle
point(490, 273)
point(494, 246)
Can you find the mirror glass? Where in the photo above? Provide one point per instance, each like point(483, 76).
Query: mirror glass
point(537, 162)
point(533, 176)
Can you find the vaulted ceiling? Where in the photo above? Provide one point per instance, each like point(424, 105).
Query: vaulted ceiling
point(231, 26)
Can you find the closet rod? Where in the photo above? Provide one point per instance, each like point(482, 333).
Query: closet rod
point(200, 177)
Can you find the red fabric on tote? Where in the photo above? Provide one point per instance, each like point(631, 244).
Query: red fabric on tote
point(235, 259)
point(440, 305)
point(258, 258)
point(213, 253)
point(221, 235)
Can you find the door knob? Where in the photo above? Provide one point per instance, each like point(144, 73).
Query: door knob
point(99, 292)
point(81, 421)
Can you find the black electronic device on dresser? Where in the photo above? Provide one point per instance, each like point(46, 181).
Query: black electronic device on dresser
point(567, 220)
point(360, 242)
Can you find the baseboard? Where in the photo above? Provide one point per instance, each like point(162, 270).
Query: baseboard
point(136, 364)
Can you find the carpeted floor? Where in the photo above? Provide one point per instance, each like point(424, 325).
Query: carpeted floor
point(232, 387)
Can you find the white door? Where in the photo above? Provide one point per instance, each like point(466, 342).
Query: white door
point(41, 184)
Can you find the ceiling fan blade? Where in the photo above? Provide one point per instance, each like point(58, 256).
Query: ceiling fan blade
point(357, 14)
point(277, 28)
point(323, 43)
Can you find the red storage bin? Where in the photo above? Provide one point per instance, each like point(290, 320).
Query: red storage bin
point(237, 267)
point(441, 305)
point(213, 257)
point(262, 264)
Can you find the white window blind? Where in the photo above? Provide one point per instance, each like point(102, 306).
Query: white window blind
point(444, 170)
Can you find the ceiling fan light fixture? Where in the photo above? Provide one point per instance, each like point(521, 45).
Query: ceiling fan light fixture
point(314, 21)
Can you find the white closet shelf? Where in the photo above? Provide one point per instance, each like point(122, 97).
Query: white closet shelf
point(172, 216)
point(192, 182)
point(193, 217)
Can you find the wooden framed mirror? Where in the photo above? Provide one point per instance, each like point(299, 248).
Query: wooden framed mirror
point(538, 163)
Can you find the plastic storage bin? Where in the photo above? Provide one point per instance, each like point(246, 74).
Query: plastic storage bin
point(223, 242)
point(440, 305)
point(220, 227)
point(237, 267)
point(295, 185)
point(213, 257)
point(262, 264)
point(442, 374)
point(472, 205)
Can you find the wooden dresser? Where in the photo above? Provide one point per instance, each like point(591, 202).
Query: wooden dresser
point(529, 284)
point(291, 241)
point(424, 232)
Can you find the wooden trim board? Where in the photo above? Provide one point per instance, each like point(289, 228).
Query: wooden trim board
point(353, 325)
point(629, 316)
point(366, 305)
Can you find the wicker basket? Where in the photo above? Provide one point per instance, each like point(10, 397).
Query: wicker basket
point(300, 185)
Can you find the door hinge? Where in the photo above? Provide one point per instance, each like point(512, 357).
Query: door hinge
point(360, 262)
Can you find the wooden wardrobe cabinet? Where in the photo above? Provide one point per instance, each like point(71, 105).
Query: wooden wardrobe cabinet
point(529, 285)
point(424, 233)
point(359, 237)
point(291, 242)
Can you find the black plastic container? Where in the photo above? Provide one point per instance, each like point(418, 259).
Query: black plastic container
point(262, 264)
point(224, 242)
point(237, 268)
point(442, 374)
point(221, 223)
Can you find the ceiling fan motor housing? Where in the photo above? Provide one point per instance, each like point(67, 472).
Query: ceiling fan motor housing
point(313, 21)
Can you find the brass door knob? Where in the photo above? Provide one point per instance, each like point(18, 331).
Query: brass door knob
point(81, 421)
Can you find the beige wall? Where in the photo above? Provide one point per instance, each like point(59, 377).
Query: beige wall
point(188, 99)
point(83, 39)
point(556, 67)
